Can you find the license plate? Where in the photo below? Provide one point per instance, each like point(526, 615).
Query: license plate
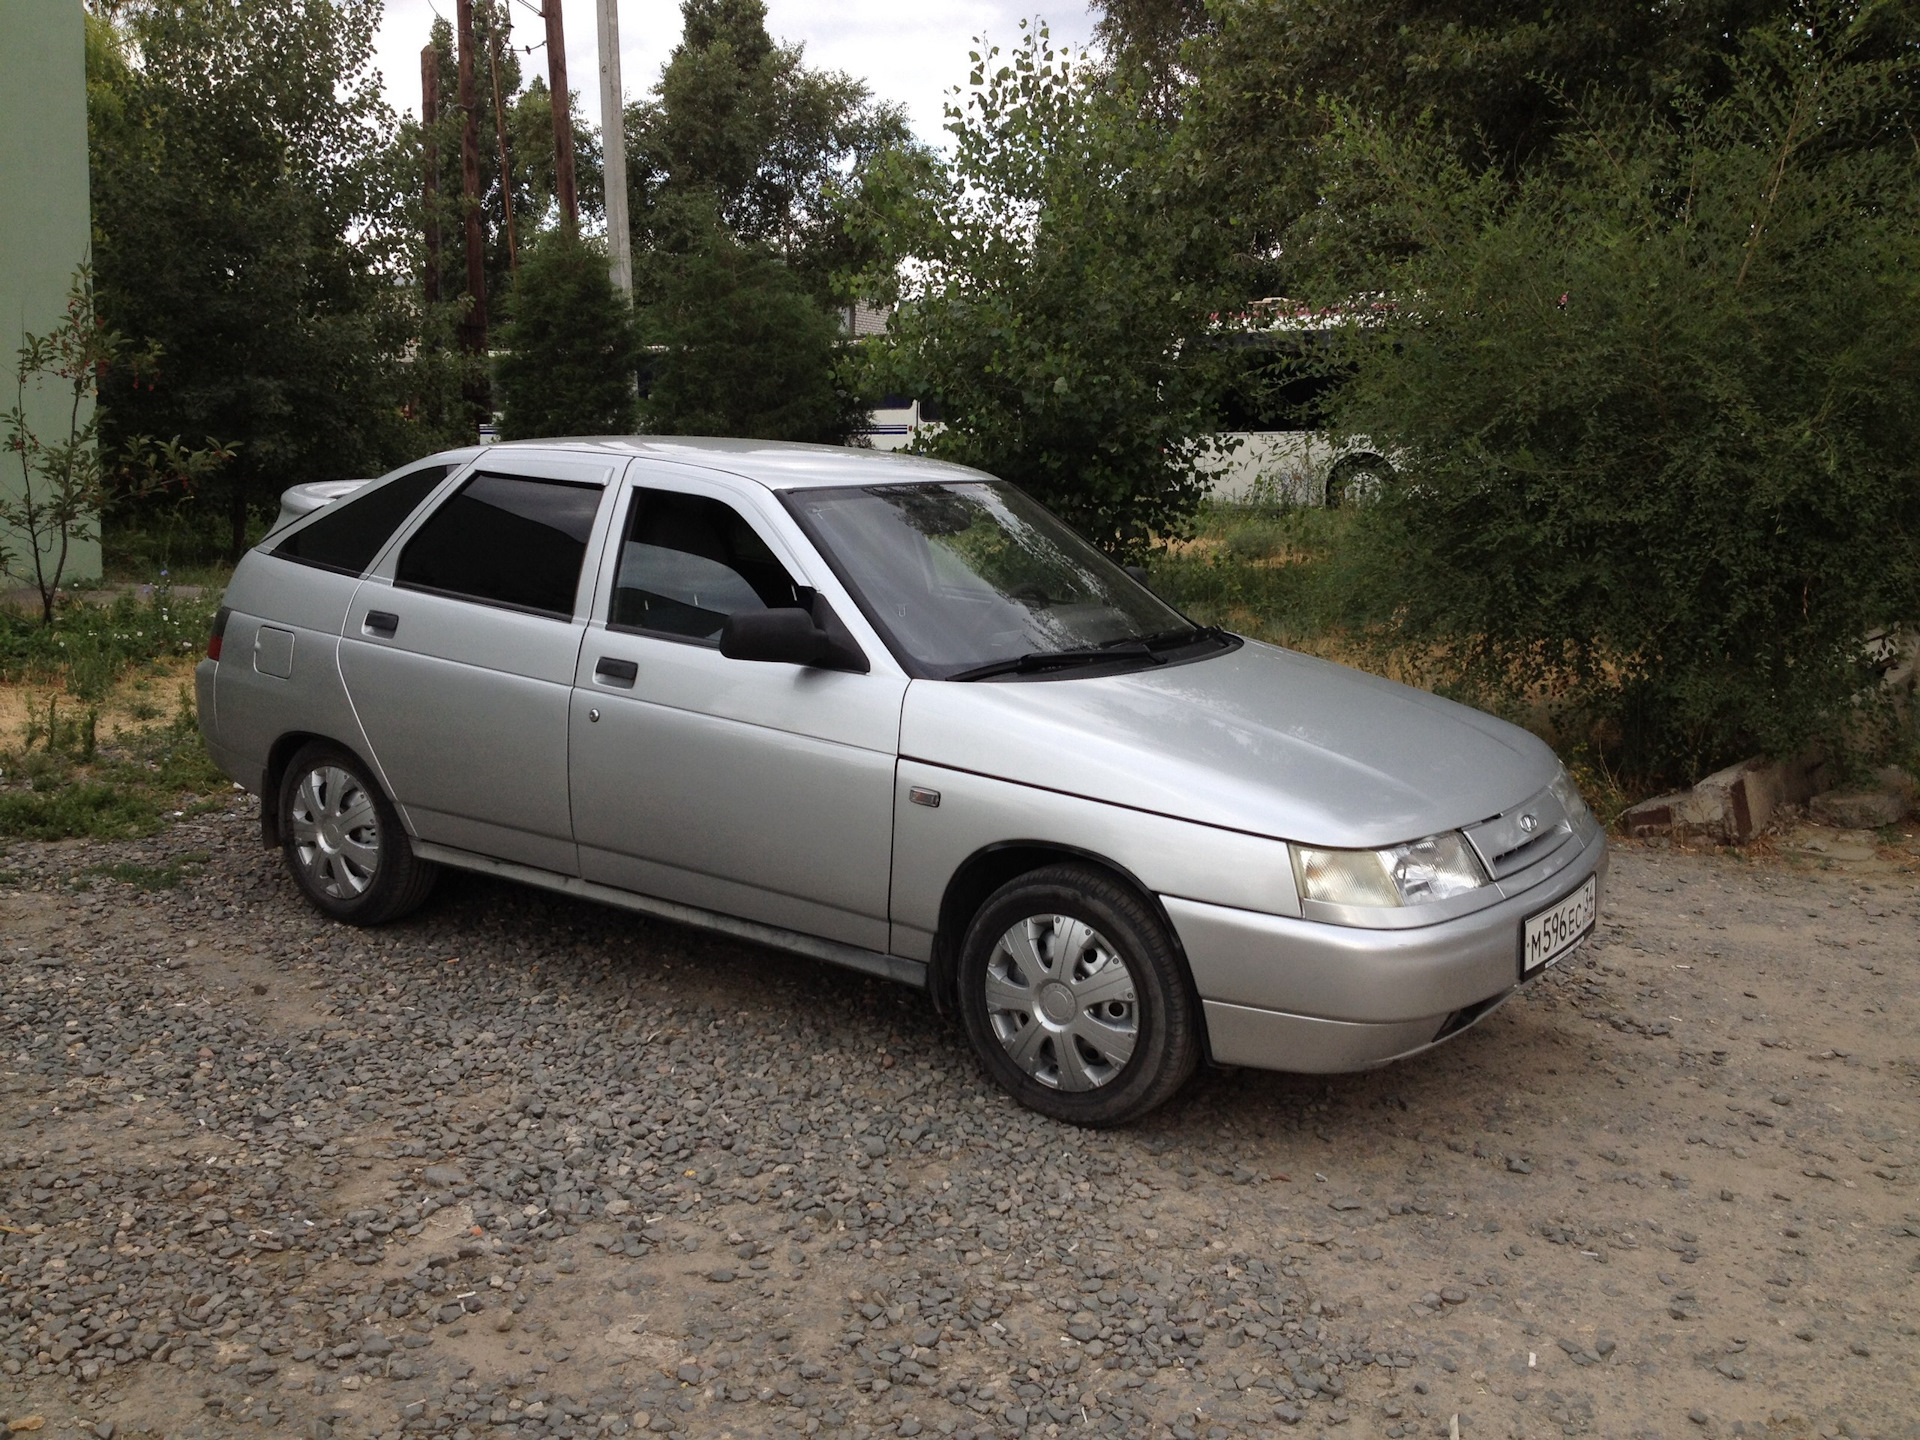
point(1547, 936)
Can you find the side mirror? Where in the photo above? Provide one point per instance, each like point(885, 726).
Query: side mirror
point(1138, 573)
point(784, 637)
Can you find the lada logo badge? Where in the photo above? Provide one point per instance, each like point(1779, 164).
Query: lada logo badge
point(1529, 824)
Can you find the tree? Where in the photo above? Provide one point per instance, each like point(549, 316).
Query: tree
point(527, 107)
point(1148, 38)
point(1048, 301)
point(571, 351)
point(741, 130)
point(743, 349)
point(740, 168)
point(1652, 407)
point(251, 218)
point(1495, 79)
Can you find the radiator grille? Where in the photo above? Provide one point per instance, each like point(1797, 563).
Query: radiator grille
point(1525, 835)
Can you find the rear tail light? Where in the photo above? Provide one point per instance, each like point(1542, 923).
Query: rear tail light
point(219, 633)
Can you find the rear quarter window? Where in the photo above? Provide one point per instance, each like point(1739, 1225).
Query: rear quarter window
point(348, 536)
point(505, 540)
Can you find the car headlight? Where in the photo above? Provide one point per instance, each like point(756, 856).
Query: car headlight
point(1571, 800)
point(1420, 871)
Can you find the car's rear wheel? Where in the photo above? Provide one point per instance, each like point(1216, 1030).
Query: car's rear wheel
point(1076, 998)
point(1358, 480)
point(343, 841)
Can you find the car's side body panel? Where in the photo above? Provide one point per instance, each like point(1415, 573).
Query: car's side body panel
point(679, 794)
point(464, 704)
point(466, 718)
point(978, 812)
point(253, 708)
point(758, 790)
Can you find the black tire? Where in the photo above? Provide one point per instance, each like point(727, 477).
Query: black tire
point(1357, 480)
point(328, 864)
point(1158, 1004)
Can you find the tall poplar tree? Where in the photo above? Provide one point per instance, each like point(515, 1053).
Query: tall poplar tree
point(739, 168)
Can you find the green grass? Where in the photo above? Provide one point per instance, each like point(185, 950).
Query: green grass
point(90, 647)
point(1290, 575)
point(152, 877)
point(128, 787)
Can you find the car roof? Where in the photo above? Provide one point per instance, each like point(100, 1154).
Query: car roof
point(776, 464)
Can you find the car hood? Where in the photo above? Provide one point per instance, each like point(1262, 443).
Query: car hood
point(1261, 739)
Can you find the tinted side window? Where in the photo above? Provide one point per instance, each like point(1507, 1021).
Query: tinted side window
point(347, 538)
point(688, 563)
point(505, 540)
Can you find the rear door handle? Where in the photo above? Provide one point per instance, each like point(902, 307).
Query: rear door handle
point(382, 623)
point(616, 672)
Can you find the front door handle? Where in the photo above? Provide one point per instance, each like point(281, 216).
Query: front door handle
point(382, 623)
point(616, 672)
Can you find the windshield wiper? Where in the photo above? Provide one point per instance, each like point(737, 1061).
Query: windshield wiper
point(1168, 639)
point(1033, 660)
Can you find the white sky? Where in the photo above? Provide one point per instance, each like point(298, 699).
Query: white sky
point(909, 51)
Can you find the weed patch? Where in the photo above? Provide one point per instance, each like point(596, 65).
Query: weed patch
point(66, 784)
point(151, 877)
point(89, 647)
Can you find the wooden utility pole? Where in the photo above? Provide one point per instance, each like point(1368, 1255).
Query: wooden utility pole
point(562, 118)
point(430, 183)
point(613, 147)
point(500, 134)
point(473, 328)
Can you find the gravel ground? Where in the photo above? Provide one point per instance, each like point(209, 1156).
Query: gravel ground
point(524, 1166)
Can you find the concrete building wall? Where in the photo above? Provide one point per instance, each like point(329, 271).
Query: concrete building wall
point(44, 213)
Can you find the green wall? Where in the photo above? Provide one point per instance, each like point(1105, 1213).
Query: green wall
point(44, 217)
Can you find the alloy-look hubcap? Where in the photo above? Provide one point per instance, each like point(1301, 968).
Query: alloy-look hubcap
point(336, 834)
point(1061, 1001)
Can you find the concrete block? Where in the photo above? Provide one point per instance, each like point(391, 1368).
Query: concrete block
point(1732, 805)
point(1897, 781)
point(1859, 809)
point(1661, 815)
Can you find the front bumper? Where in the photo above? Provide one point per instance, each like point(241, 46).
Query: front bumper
point(1281, 993)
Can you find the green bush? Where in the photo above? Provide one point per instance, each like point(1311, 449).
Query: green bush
point(572, 351)
point(1048, 300)
point(743, 349)
point(1653, 407)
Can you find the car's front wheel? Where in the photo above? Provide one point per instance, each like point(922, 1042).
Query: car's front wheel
point(344, 843)
point(1075, 997)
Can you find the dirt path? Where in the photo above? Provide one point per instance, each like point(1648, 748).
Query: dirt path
point(526, 1167)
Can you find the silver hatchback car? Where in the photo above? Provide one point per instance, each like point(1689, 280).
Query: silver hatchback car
point(892, 714)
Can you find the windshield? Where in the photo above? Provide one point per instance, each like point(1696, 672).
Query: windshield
point(970, 574)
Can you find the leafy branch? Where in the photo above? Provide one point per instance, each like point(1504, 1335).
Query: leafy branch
point(65, 481)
